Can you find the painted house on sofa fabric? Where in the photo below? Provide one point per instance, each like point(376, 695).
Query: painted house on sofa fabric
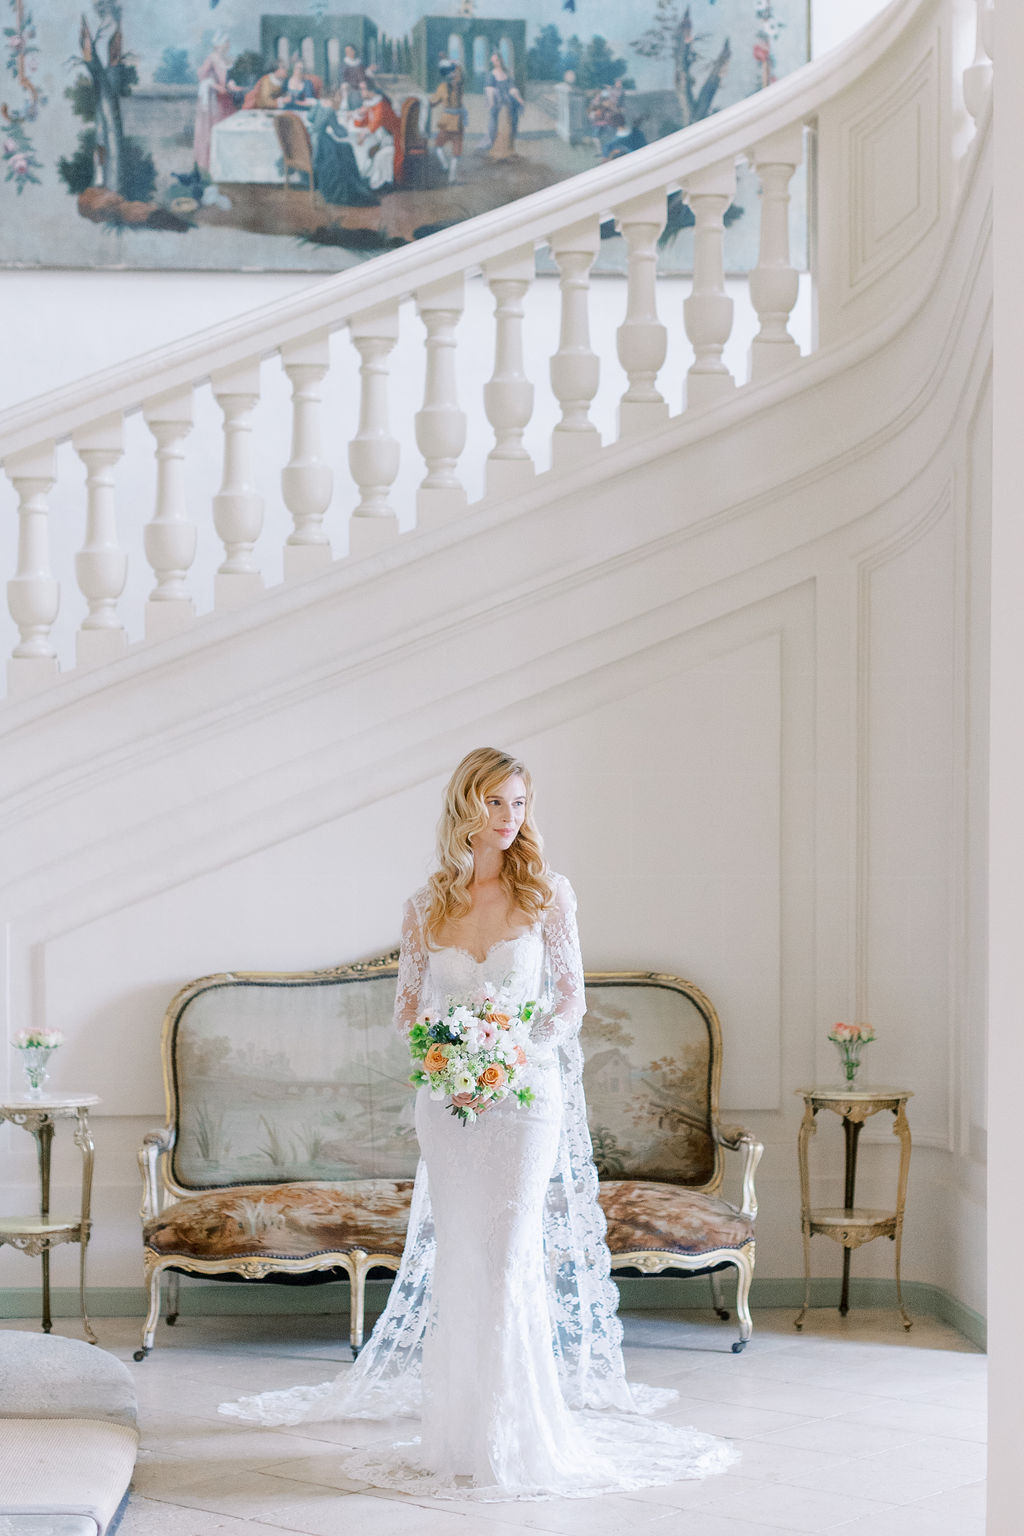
point(745, 645)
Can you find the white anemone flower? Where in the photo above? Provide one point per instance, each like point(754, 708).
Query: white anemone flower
point(463, 1082)
point(488, 1034)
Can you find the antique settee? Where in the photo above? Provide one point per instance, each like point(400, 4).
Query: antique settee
point(289, 1149)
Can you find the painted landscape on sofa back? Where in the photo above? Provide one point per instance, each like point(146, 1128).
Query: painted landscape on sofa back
point(283, 1078)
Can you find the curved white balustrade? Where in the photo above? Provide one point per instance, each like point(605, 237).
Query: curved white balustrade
point(873, 259)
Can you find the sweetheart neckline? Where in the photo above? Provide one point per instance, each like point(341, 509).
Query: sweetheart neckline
point(460, 949)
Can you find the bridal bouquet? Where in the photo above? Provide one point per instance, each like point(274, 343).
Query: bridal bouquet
point(472, 1053)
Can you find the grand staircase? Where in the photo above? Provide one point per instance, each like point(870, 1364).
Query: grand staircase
point(772, 567)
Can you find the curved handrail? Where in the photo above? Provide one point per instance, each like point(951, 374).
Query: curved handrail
point(394, 276)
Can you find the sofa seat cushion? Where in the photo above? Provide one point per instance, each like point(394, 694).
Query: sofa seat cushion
point(285, 1221)
point(65, 1467)
point(668, 1218)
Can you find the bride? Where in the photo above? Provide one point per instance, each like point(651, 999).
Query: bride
point(500, 1331)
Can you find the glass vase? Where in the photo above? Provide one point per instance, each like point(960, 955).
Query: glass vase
point(34, 1059)
point(849, 1055)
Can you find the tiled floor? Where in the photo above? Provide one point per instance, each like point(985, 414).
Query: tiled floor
point(852, 1427)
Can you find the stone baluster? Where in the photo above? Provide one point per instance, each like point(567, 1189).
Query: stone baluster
point(978, 74)
point(775, 282)
point(708, 310)
point(440, 425)
point(306, 481)
point(33, 596)
point(237, 506)
point(373, 454)
point(100, 565)
point(641, 339)
point(508, 394)
point(170, 538)
point(575, 368)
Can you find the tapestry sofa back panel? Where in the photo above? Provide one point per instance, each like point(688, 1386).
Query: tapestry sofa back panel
point(290, 1080)
point(282, 1079)
point(648, 1075)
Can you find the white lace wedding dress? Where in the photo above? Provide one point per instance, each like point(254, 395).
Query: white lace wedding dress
point(500, 1332)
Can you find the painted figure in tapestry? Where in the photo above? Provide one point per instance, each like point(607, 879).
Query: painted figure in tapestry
point(301, 89)
point(379, 147)
point(354, 75)
point(450, 117)
point(336, 173)
point(119, 117)
point(504, 106)
point(268, 90)
point(217, 99)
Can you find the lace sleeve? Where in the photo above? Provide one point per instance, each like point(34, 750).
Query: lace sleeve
point(412, 969)
point(565, 964)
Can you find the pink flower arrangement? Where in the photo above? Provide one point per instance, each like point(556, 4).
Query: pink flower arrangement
point(37, 1039)
point(842, 1033)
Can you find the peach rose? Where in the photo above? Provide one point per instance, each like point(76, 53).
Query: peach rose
point(493, 1076)
point(436, 1059)
point(501, 1019)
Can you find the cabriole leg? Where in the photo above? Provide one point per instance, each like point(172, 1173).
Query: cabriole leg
point(744, 1275)
point(357, 1300)
point(153, 1279)
point(173, 1290)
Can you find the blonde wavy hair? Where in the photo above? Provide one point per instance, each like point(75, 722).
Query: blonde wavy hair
point(524, 874)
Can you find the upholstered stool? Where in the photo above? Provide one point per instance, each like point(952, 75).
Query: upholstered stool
point(68, 1436)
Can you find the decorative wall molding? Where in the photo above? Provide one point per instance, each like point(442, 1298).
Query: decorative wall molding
point(892, 159)
point(887, 761)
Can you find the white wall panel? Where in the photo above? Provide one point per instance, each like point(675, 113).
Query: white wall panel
point(665, 811)
point(908, 841)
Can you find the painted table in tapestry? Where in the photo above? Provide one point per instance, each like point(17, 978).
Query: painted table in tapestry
point(37, 1235)
point(245, 147)
point(850, 1224)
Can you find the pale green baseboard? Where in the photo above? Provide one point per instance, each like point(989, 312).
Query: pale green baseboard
point(638, 1294)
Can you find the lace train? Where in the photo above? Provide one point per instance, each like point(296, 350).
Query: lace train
point(606, 1451)
point(622, 1454)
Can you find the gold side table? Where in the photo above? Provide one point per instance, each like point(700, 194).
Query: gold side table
point(37, 1235)
point(851, 1225)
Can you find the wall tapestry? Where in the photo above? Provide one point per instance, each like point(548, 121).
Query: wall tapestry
point(211, 134)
